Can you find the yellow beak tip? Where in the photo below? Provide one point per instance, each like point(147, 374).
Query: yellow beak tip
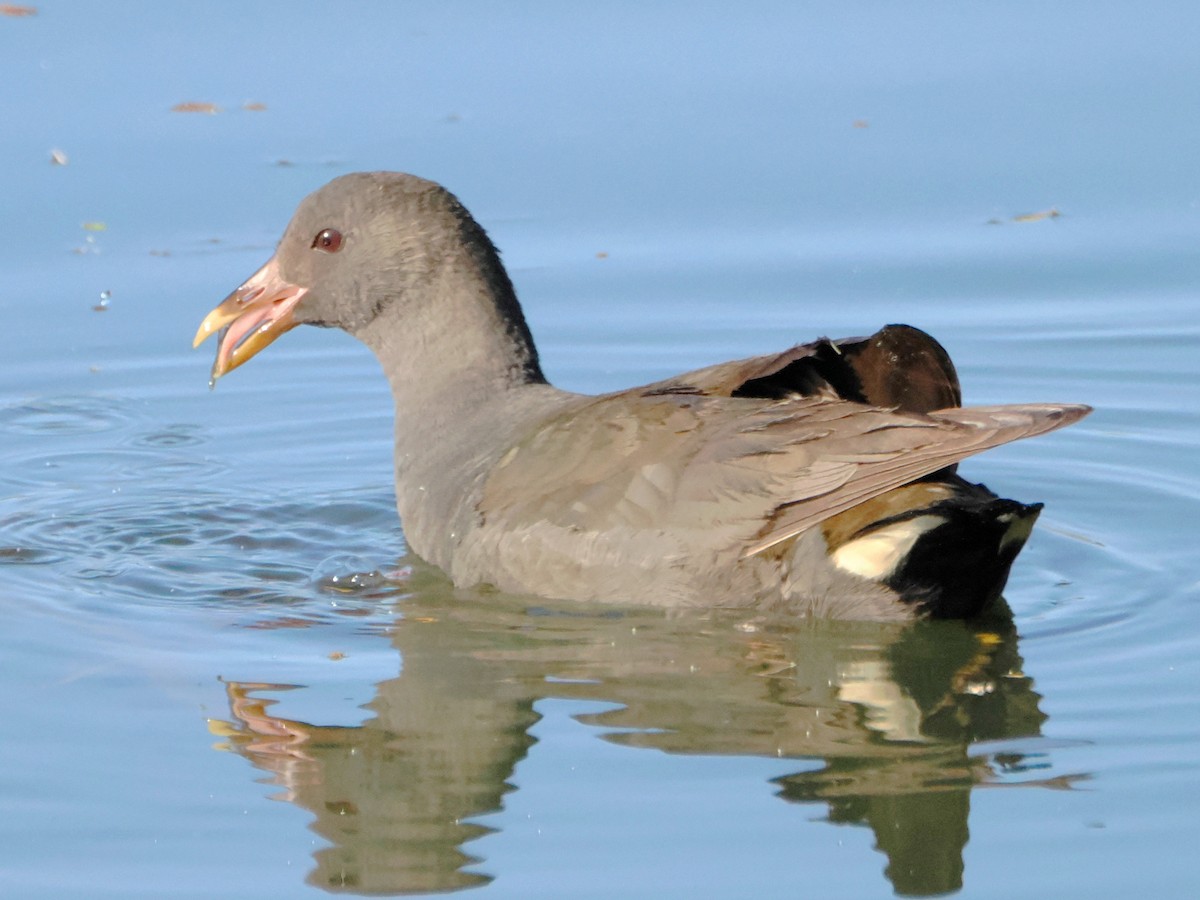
point(207, 327)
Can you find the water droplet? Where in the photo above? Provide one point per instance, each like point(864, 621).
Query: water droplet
point(345, 573)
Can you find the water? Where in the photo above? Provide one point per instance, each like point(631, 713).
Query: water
point(223, 675)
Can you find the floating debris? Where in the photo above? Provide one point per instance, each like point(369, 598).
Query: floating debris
point(89, 241)
point(1051, 213)
point(196, 107)
point(860, 123)
point(254, 106)
point(336, 655)
point(1039, 216)
point(17, 12)
point(102, 306)
point(601, 254)
point(58, 158)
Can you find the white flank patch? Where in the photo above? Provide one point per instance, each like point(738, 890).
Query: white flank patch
point(876, 555)
point(1018, 532)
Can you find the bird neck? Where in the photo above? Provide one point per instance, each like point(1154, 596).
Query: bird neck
point(466, 381)
point(453, 328)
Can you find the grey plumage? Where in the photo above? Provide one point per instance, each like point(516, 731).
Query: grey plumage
point(720, 487)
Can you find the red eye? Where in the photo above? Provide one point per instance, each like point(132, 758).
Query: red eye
point(329, 240)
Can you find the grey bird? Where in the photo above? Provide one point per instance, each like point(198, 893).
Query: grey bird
point(816, 481)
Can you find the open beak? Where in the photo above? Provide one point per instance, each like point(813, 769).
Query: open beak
point(250, 318)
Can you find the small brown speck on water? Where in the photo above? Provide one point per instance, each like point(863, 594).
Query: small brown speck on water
point(193, 106)
point(1051, 213)
point(1041, 215)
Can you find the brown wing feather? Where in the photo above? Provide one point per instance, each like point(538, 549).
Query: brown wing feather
point(959, 433)
point(898, 367)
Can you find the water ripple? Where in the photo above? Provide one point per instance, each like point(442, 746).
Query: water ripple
point(206, 548)
point(110, 465)
point(64, 415)
point(171, 437)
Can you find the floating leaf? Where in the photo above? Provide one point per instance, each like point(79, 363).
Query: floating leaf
point(252, 106)
point(94, 226)
point(196, 107)
point(860, 123)
point(8, 9)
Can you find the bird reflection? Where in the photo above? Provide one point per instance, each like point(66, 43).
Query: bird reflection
point(895, 714)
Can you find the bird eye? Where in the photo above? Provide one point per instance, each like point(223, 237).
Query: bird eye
point(329, 240)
